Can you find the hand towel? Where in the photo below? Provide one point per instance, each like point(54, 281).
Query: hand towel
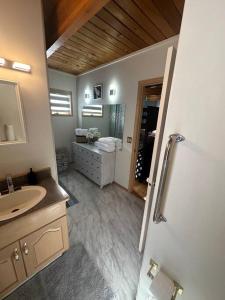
point(105, 147)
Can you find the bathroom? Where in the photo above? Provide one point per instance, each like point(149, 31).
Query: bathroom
point(44, 126)
point(75, 79)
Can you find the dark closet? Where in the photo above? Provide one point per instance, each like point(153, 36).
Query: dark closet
point(146, 144)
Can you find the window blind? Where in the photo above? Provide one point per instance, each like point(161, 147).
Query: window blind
point(61, 102)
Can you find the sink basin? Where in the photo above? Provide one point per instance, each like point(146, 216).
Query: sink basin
point(18, 202)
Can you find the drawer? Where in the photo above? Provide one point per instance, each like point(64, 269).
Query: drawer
point(93, 167)
point(96, 179)
point(96, 171)
point(86, 153)
point(96, 156)
point(83, 151)
point(94, 176)
point(86, 168)
point(96, 165)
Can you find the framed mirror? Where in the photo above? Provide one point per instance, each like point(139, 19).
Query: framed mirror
point(12, 127)
point(108, 119)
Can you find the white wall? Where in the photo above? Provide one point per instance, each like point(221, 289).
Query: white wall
point(124, 76)
point(63, 127)
point(190, 246)
point(22, 39)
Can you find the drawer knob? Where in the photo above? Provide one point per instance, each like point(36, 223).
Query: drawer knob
point(25, 249)
point(16, 254)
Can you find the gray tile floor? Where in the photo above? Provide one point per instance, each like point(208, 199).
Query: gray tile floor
point(108, 223)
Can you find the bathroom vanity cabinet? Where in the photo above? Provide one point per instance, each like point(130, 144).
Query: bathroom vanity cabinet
point(30, 243)
point(12, 271)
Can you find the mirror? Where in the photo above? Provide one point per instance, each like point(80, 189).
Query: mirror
point(108, 118)
point(12, 129)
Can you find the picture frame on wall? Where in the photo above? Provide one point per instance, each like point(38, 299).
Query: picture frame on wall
point(98, 92)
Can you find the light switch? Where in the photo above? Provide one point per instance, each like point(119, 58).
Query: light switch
point(129, 139)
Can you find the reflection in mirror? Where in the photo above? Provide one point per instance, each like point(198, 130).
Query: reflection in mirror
point(12, 129)
point(108, 118)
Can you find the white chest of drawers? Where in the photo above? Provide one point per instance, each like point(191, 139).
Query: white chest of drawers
point(97, 165)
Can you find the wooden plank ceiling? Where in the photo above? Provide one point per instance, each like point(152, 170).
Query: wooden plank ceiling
point(119, 28)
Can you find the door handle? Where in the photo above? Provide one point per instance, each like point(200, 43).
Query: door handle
point(25, 249)
point(16, 254)
point(173, 139)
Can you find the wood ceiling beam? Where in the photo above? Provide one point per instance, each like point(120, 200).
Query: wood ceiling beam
point(90, 33)
point(170, 12)
point(67, 17)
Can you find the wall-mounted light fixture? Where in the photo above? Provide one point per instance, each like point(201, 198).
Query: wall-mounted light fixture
point(21, 67)
point(86, 96)
point(112, 92)
point(5, 63)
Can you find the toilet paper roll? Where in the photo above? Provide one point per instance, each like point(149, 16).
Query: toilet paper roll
point(9, 133)
point(162, 287)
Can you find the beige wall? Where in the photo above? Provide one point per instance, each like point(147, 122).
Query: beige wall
point(22, 39)
point(124, 76)
point(63, 127)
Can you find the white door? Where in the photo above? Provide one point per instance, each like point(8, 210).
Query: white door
point(190, 245)
point(167, 79)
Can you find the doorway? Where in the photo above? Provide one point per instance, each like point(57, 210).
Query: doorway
point(148, 103)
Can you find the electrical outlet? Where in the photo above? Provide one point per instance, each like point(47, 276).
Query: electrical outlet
point(129, 139)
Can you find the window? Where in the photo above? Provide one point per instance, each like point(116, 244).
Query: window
point(92, 111)
point(61, 103)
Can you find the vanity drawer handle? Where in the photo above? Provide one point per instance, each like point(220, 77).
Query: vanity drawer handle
point(16, 254)
point(25, 249)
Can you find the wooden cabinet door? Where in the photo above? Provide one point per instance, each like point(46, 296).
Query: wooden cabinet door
point(44, 245)
point(12, 271)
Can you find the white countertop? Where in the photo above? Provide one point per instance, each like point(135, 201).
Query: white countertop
point(91, 147)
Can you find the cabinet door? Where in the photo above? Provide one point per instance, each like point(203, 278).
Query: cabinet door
point(12, 271)
point(44, 245)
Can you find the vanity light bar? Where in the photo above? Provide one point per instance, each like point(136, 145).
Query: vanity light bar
point(2, 61)
point(21, 67)
point(14, 65)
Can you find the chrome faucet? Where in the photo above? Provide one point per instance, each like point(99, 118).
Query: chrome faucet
point(10, 184)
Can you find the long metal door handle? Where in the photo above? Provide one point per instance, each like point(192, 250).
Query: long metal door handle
point(173, 139)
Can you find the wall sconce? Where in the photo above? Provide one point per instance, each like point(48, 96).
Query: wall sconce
point(14, 65)
point(86, 96)
point(112, 92)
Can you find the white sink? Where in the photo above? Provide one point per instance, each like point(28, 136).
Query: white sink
point(18, 202)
